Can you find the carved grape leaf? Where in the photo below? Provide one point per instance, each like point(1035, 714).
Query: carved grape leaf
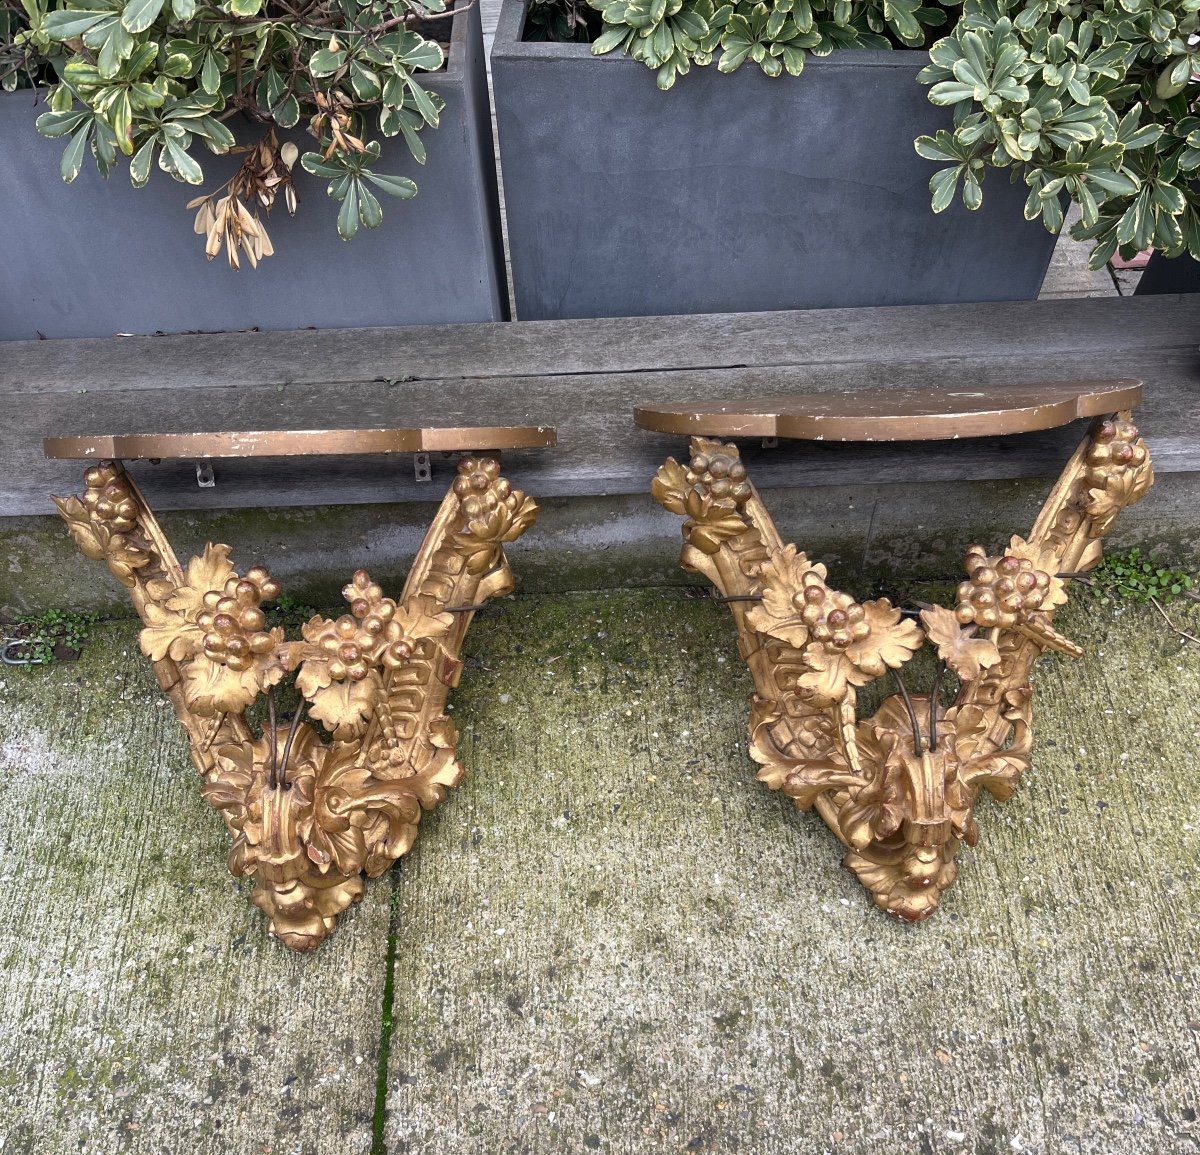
point(207, 572)
point(669, 486)
point(784, 576)
point(79, 525)
point(346, 706)
point(168, 634)
point(966, 655)
point(891, 641)
point(212, 688)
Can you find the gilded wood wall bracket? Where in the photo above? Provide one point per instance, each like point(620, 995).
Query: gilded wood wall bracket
point(898, 788)
point(311, 810)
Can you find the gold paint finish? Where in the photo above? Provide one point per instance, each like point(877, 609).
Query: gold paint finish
point(297, 442)
point(898, 788)
point(897, 414)
point(311, 810)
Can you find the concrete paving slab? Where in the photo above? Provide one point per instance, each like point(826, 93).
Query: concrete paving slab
point(618, 941)
point(142, 1008)
point(610, 937)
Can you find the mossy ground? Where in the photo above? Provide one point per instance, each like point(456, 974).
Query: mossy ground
point(610, 937)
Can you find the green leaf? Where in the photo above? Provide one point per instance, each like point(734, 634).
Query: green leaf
point(72, 157)
point(138, 15)
point(347, 218)
point(67, 24)
point(411, 124)
point(175, 159)
point(210, 74)
point(314, 163)
point(326, 63)
point(184, 10)
point(364, 82)
point(1168, 198)
point(118, 44)
point(427, 55)
point(176, 65)
point(424, 103)
point(245, 7)
point(370, 212)
point(972, 191)
point(612, 37)
point(396, 186)
point(942, 186)
point(1114, 183)
point(950, 92)
point(54, 124)
point(287, 112)
point(140, 165)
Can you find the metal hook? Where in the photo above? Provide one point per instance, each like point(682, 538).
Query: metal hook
point(12, 644)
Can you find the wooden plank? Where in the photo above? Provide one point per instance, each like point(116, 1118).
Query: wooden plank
point(929, 414)
point(345, 358)
point(599, 450)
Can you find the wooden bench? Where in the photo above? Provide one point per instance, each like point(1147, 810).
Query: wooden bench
point(584, 377)
point(309, 816)
point(898, 788)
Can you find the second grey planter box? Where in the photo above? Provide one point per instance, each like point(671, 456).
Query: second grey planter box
point(737, 193)
point(98, 257)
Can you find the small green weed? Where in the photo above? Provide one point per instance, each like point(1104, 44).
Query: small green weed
point(1131, 577)
point(288, 612)
point(56, 635)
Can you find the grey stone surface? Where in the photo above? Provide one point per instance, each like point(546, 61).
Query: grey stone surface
point(737, 193)
point(639, 949)
point(1068, 274)
point(142, 1008)
point(436, 258)
point(610, 937)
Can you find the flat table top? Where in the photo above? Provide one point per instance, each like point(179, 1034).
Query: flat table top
point(298, 442)
point(935, 414)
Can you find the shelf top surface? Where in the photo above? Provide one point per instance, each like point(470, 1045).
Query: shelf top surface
point(934, 414)
point(299, 442)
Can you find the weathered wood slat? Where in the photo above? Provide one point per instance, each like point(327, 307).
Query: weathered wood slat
point(818, 337)
point(599, 450)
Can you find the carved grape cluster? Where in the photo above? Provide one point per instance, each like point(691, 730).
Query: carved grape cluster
point(1001, 590)
point(832, 617)
point(1116, 442)
point(234, 625)
point(108, 498)
point(722, 475)
point(370, 635)
point(480, 487)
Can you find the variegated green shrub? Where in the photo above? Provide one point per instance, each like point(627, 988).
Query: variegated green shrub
point(157, 81)
point(672, 35)
point(1093, 100)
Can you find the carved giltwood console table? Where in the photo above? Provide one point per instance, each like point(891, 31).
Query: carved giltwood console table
point(310, 812)
point(899, 788)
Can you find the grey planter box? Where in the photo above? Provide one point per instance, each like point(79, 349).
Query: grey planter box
point(100, 257)
point(1174, 275)
point(737, 193)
